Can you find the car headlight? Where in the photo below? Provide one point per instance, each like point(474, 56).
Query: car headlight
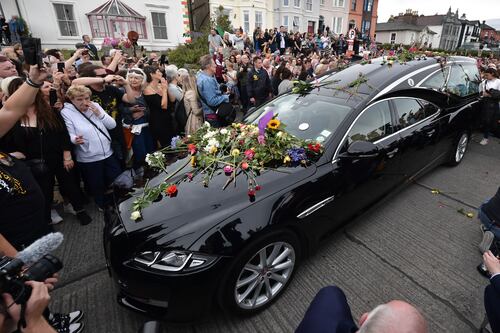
point(173, 261)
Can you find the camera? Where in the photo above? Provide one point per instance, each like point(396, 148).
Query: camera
point(13, 275)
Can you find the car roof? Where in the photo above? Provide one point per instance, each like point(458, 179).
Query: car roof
point(381, 79)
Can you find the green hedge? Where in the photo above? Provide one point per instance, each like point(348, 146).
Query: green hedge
point(189, 54)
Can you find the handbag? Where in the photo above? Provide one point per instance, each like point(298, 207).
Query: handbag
point(38, 166)
point(224, 111)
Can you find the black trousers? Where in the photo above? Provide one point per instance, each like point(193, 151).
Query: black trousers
point(67, 183)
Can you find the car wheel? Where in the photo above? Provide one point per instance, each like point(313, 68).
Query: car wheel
point(459, 148)
point(260, 273)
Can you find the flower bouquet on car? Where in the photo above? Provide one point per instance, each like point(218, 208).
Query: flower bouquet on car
point(237, 151)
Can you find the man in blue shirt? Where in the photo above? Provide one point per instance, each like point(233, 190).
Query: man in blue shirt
point(209, 91)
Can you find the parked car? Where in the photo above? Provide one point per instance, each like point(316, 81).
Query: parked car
point(381, 126)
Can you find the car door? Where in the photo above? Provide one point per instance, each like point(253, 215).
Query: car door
point(352, 183)
point(418, 128)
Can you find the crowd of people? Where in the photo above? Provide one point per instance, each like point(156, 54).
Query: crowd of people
point(89, 119)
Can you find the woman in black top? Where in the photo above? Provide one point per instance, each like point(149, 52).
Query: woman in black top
point(160, 111)
point(42, 139)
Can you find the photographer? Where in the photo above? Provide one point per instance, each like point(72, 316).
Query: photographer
point(35, 307)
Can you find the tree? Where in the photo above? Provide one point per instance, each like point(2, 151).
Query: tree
point(221, 21)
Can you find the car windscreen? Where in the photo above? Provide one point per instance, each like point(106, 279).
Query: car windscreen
point(309, 116)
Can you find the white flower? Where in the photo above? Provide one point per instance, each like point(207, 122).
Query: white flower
point(212, 143)
point(224, 131)
point(209, 134)
point(206, 124)
point(159, 155)
point(135, 215)
point(279, 134)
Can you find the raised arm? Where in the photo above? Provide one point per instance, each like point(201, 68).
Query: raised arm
point(78, 53)
point(17, 105)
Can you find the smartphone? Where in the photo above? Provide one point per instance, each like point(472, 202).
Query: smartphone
point(60, 67)
point(52, 97)
point(130, 60)
point(85, 52)
point(32, 49)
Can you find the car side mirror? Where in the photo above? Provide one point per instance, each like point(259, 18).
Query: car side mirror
point(362, 149)
point(151, 327)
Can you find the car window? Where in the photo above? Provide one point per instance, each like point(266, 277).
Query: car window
point(374, 124)
point(408, 111)
point(309, 116)
point(429, 108)
point(437, 80)
point(464, 80)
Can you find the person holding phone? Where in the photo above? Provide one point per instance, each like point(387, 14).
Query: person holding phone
point(136, 119)
point(42, 140)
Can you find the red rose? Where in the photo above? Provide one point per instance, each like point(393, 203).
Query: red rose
point(244, 165)
point(192, 148)
point(251, 192)
point(171, 190)
point(258, 188)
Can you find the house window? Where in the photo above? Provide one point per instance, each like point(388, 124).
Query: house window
point(393, 38)
point(368, 5)
point(365, 27)
point(286, 3)
point(159, 25)
point(338, 3)
point(246, 20)
point(296, 23)
point(296, 3)
point(353, 4)
point(309, 5)
point(66, 19)
point(258, 19)
point(322, 2)
point(285, 21)
point(337, 25)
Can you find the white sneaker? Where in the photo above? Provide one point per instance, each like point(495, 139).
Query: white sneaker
point(68, 209)
point(55, 217)
point(484, 142)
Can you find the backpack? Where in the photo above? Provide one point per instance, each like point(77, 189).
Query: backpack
point(180, 115)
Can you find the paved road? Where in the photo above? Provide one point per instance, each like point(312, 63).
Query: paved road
point(415, 247)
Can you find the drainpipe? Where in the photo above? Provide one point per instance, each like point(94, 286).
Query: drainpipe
point(18, 9)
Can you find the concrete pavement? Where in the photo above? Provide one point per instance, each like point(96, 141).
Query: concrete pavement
point(415, 247)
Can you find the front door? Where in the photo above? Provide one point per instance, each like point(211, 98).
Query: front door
point(353, 184)
point(310, 27)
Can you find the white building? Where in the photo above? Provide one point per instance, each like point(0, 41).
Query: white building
point(247, 14)
point(297, 15)
point(404, 33)
point(335, 15)
point(61, 23)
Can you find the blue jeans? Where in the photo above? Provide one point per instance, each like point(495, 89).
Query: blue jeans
point(98, 176)
point(488, 223)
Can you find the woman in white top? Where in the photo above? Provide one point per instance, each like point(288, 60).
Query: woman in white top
point(490, 92)
point(88, 126)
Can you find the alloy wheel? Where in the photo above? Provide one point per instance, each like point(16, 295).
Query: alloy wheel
point(264, 275)
point(461, 147)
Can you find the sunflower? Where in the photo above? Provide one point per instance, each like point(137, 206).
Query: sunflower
point(273, 124)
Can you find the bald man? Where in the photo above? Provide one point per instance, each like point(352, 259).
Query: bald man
point(330, 313)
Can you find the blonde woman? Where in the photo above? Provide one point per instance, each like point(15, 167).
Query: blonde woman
point(88, 126)
point(136, 119)
point(192, 104)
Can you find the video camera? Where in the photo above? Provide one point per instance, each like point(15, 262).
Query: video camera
point(13, 275)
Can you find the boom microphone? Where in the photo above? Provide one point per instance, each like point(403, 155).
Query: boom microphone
point(40, 247)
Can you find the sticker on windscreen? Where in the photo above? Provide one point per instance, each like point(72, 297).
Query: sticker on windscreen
point(325, 133)
point(320, 138)
point(303, 126)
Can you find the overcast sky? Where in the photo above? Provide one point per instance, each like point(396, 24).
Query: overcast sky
point(474, 10)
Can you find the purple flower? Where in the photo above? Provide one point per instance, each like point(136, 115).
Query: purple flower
point(263, 122)
point(261, 139)
point(174, 141)
point(297, 154)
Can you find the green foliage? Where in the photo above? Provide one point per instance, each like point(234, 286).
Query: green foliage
point(221, 20)
point(189, 53)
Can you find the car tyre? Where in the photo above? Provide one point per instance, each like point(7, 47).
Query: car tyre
point(459, 148)
point(282, 252)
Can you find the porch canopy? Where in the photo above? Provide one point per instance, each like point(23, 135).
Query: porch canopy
point(115, 19)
